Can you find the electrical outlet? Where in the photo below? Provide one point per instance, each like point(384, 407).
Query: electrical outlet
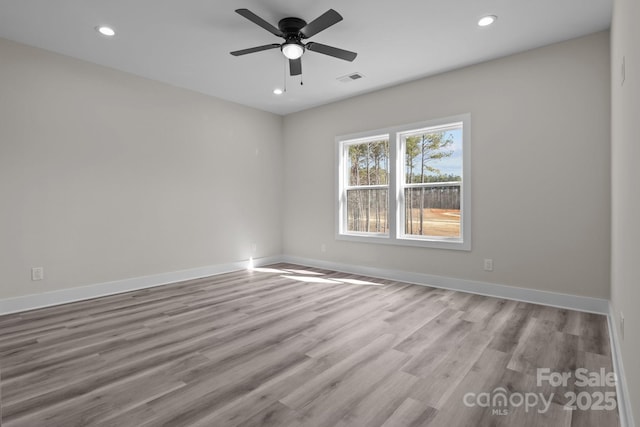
point(323, 248)
point(488, 264)
point(254, 248)
point(37, 273)
point(621, 326)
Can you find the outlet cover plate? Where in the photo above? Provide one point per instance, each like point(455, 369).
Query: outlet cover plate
point(37, 273)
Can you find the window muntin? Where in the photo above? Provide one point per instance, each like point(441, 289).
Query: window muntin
point(425, 191)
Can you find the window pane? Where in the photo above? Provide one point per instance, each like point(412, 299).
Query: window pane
point(367, 211)
point(433, 156)
point(432, 211)
point(368, 163)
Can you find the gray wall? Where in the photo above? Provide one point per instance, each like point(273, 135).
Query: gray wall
point(106, 176)
point(540, 169)
point(625, 194)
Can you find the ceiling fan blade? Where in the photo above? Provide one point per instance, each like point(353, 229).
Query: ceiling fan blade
point(331, 51)
point(254, 49)
point(259, 21)
point(321, 23)
point(295, 67)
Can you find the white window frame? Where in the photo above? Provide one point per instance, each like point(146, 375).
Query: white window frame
point(344, 147)
point(396, 187)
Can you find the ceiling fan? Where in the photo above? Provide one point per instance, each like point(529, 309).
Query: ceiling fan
point(293, 31)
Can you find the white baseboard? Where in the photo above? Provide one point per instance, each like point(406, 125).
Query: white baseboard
point(554, 299)
point(624, 403)
point(63, 296)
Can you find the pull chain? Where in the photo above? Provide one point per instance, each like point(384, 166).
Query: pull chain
point(284, 75)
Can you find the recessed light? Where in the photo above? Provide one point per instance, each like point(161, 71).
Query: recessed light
point(277, 91)
point(487, 20)
point(106, 31)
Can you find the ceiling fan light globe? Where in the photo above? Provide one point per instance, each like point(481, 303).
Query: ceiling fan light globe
point(292, 50)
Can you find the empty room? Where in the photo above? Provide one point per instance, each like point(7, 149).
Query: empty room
point(316, 213)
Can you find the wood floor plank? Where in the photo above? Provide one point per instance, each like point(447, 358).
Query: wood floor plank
point(510, 333)
point(411, 413)
point(276, 415)
point(89, 408)
point(202, 397)
point(594, 334)
point(379, 405)
point(339, 343)
point(287, 345)
point(444, 323)
point(259, 400)
point(343, 396)
point(436, 387)
point(332, 377)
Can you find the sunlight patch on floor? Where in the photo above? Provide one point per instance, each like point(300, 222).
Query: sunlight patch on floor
point(359, 282)
point(310, 279)
point(268, 270)
point(311, 276)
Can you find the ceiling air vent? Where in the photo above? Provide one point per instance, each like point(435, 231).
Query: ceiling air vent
point(350, 77)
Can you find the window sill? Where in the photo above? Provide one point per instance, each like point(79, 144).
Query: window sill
point(451, 244)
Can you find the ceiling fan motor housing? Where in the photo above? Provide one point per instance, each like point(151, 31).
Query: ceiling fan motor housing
point(291, 27)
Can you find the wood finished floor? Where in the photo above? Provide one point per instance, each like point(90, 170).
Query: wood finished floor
point(292, 346)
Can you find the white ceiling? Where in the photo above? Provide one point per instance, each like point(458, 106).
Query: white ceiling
point(186, 43)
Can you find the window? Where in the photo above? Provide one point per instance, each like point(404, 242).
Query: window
point(406, 185)
point(367, 186)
